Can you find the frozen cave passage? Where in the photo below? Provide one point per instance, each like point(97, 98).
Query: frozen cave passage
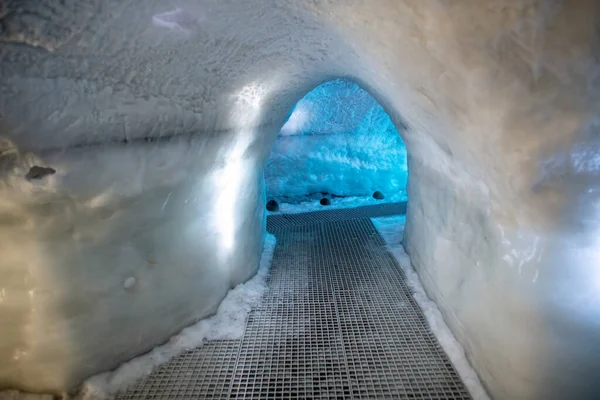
point(141, 140)
point(337, 144)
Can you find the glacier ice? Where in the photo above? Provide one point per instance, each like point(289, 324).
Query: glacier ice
point(340, 141)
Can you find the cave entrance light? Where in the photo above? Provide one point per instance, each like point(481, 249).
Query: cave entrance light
point(338, 147)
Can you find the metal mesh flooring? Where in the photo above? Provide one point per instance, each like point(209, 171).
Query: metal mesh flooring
point(277, 221)
point(337, 322)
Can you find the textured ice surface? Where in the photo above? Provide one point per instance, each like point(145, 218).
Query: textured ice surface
point(228, 323)
point(340, 164)
point(338, 140)
point(336, 203)
point(338, 106)
point(17, 395)
point(177, 20)
point(392, 231)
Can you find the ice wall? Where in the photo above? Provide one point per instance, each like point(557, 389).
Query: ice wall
point(338, 140)
point(499, 98)
point(87, 260)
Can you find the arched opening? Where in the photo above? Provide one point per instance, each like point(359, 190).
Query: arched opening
point(339, 153)
point(338, 148)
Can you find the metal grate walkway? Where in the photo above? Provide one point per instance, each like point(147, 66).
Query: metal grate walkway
point(377, 210)
point(337, 322)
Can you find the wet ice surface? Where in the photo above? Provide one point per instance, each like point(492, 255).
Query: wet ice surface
point(392, 231)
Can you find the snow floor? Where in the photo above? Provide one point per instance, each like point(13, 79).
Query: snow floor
point(336, 203)
point(228, 323)
point(392, 231)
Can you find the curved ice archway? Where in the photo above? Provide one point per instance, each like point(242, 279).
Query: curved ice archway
point(339, 141)
point(499, 99)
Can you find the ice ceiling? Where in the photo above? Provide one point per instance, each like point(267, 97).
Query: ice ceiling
point(158, 117)
point(338, 140)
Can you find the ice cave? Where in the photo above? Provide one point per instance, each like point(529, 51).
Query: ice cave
point(303, 199)
point(339, 144)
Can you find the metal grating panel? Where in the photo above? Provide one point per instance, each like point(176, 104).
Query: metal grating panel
point(276, 221)
point(203, 373)
point(337, 322)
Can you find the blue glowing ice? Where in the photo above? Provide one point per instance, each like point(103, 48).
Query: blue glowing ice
point(337, 140)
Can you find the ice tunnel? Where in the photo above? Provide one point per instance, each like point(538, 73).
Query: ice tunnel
point(340, 143)
point(134, 140)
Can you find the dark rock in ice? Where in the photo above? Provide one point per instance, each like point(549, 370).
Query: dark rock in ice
point(272, 205)
point(325, 201)
point(378, 195)
point(37, 172)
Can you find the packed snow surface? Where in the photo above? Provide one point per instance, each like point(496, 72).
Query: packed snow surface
point(392, 231)
point(228, 323)
point(338, 140)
